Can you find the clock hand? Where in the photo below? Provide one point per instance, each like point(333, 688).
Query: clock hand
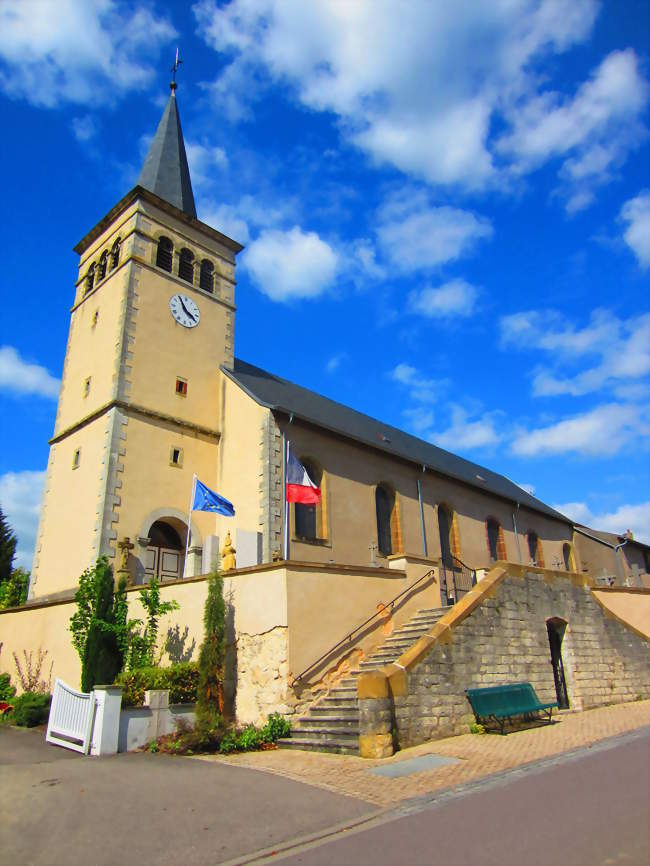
point(193, 318)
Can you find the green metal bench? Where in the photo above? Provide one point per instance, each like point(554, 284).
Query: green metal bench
point(499, 703)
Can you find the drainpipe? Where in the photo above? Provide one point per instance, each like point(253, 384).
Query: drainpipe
point(285, 457)
point(424, 534)
point(514, 523)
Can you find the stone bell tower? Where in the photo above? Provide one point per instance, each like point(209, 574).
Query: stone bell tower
point(151, 323)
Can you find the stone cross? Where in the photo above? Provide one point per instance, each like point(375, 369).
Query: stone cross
point(373, 554)
point(125, 545)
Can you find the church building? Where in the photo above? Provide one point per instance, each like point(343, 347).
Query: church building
point(152, 394)
point(354, 596)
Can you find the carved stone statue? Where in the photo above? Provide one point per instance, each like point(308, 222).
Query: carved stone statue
point(228, 561)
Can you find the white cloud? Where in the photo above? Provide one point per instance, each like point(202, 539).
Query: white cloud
point(238, 220)
point(206, 163)
point(291, 264)
point(636, 213)
point(427, 99)
point(464, 434)
point(419, 419)
point(592, 130)
point(454, 298)
point(23, 377)
point(414, 234)
point(20, 500)
point(634, 517)
point(78, 51)
point(84, 128)
point(335, 362)
point(420, 388)
point(619, 347)
point(602, 431)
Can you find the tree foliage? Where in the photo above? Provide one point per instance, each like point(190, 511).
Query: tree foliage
point(7, 548)
point(13, 592)
point(101, 628)
point(212, 656)
point(102, 658)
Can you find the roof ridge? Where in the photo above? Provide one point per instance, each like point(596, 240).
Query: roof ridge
point(429, 455)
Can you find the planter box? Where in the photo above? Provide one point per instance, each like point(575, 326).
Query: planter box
point(141, 725)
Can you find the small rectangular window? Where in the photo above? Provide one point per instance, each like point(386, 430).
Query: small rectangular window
point(76, 458)
point(87, 386)
point(181, 387)
point(176, 456)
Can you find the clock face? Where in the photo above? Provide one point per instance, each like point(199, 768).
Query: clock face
point(185, 311)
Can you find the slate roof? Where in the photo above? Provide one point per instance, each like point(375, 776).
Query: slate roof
point(165, 171)
point(286, 397)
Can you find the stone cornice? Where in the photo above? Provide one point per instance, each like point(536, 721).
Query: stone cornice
point(142, 411)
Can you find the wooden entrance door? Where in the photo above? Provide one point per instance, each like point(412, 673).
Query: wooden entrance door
point(165, 563)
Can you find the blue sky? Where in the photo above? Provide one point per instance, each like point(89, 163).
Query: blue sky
point(445, 207)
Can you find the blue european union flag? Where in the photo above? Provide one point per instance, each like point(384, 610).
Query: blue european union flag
point(207, 500)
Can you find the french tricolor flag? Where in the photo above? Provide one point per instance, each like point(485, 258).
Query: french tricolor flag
point(300, 487)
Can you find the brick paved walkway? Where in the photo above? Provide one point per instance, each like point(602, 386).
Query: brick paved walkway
point(480, 755)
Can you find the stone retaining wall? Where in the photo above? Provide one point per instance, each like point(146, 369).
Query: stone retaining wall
point(498, 634)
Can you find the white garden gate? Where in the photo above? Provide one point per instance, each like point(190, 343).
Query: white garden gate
point(71, 719)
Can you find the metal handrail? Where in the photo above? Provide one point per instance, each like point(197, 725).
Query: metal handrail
point(351, 634)
point(455, 564)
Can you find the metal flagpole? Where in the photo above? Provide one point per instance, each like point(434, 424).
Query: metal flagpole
point(189, 523)
point(285, 457)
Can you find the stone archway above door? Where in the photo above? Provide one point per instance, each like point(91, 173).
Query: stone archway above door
point(162, 541)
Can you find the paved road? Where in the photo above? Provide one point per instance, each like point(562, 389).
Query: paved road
point(590, 809)
point(58, 807)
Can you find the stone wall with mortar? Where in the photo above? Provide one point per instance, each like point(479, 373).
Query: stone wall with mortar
point(261, 662)
point(498, 634)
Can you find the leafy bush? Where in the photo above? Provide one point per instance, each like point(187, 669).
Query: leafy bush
point(275, 728)
point(7, 691)
point(30, 709)
point(182, 680)
point(212, 656)
point(13, 591)
point(187, 741)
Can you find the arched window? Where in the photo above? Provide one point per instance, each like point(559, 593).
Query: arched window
point(309, 520)
point(496, 543)
point(90, 279)
point(206, 277)
point(186, 265)
point(165, 254)
point(449, 546)
point(115, 254)
point(567, 555)
point(535, 548)
point(385, 505)
point(103, 263)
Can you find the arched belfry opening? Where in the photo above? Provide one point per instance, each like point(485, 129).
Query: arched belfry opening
point(165, 553)
point(556, 629)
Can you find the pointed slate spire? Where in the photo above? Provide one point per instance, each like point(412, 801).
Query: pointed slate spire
point(165, 171)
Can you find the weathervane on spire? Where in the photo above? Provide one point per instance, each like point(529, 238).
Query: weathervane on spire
point(177, 63)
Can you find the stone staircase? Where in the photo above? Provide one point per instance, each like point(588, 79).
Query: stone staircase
point(332, 725)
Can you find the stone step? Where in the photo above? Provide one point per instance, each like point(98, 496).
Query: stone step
point(339, 747)
point(430, 611)
point(411, 628)
point(340, 702)
point(330, 712)
point(311, 730)
point(399, 641)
